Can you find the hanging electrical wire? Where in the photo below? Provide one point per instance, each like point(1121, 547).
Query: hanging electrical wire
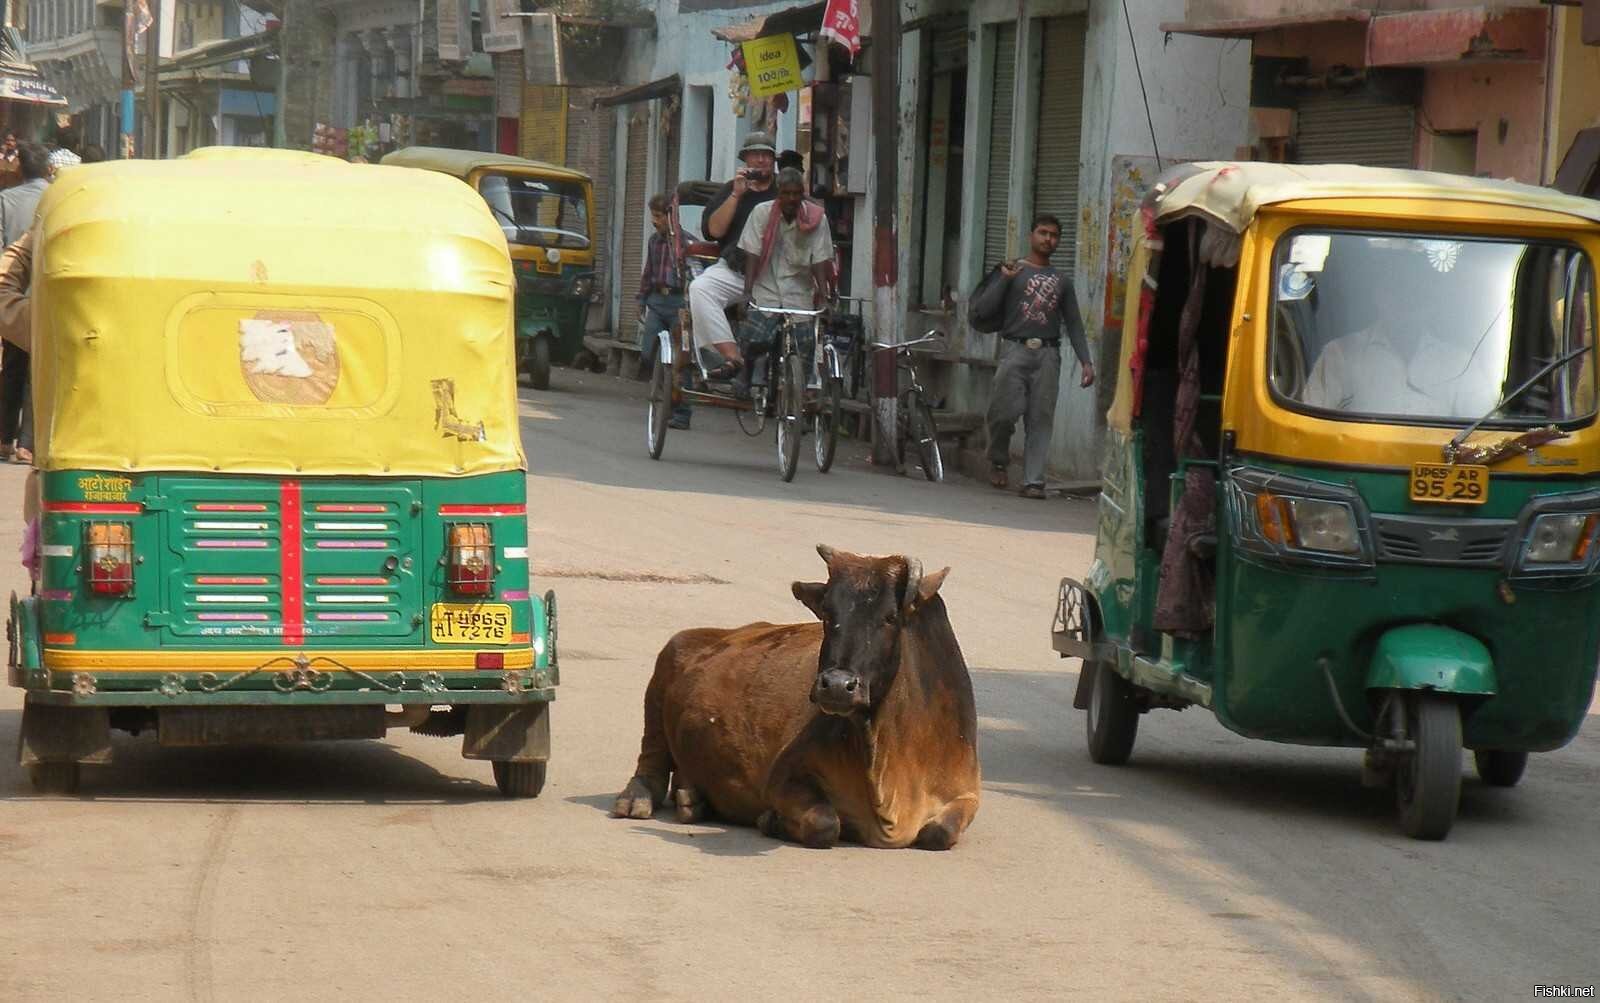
point(1128, 20)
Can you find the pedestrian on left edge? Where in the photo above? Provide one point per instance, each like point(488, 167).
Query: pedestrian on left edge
point(660, 298)
point(18, 205)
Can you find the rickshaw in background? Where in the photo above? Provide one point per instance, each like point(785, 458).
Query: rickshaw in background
point(279, 469)
point(1351, 488)
point(796, 378)
point(547, 214)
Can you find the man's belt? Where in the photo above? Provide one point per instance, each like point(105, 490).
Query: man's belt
point(665, 291)
point(1036, 343)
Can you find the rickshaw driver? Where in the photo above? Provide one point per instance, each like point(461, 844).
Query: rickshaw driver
point(788, 249)
point(1397, 365)
point(719, 286)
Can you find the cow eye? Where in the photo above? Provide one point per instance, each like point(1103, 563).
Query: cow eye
point(892, 619)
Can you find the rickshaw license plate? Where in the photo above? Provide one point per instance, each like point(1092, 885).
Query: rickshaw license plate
point(1449, 484)
point(549, 267)
point(464, 623)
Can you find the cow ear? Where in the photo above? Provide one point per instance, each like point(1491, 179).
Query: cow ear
point(927, 588)
point(810, 593)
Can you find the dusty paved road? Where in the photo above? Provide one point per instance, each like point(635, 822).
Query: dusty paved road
point(1209, 868)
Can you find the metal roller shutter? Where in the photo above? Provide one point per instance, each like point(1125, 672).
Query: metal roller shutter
point(1057, 156)
point(1001, 109)
point(1354, 129)
point(633, 206)
point(950, 48)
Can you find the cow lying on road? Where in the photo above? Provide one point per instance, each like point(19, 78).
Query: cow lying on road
point(860, 727)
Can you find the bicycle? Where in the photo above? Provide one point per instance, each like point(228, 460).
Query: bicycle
point(914, 422)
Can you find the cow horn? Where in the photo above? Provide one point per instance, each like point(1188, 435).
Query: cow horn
point(827, 552)
point(913, 582)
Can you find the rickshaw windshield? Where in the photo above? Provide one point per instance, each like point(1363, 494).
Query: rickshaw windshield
point(544, 212)
point(1423, 330)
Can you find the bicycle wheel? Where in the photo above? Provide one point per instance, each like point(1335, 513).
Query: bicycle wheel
point(660, 397)
point(791, 385)
point(825, 424)
point(923, 433)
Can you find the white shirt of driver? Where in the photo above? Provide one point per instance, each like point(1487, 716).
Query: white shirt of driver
point(786, 281)
point(1364, 373)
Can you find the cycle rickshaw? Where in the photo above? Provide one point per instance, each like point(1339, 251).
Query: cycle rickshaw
point(797, 378)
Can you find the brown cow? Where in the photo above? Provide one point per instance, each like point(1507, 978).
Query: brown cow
point(862, 726)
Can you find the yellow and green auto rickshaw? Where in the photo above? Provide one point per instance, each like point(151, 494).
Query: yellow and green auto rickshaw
point(547, 213)
point(279, 471)
point(1352, 475)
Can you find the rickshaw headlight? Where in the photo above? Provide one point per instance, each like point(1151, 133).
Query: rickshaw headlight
point(1560, 538)
point(583, 287)
point(1328, 526)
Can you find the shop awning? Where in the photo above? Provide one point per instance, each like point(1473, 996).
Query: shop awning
point(1251, 26)
point(795, 20)
point(225, 50)
point(665, 87)
point(1460, 34)
point(30, 89)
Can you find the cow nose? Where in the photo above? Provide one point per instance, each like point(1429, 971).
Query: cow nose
point(837, 690)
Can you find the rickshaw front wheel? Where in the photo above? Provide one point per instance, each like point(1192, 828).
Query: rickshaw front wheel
point(1500, 767)
point(539, 363)
point(1428, 781)
point(519, 780)
point(54, 778)
point(1113, 719)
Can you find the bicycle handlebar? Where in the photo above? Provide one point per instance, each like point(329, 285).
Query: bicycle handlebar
point(785, 312)
point(905, 345)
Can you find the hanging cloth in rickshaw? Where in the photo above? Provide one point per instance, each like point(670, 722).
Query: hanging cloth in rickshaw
point(1186, 597)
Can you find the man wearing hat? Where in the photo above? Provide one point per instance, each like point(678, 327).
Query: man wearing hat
point(722, 285)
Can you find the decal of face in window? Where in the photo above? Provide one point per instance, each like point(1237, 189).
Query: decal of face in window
point(289, 357)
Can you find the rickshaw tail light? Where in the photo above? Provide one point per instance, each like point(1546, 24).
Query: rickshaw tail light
point(469, 559)
point(1272, 516)
point(1585, 540)
point(108, 558)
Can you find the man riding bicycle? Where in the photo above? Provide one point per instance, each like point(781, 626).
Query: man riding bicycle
point(788, 249)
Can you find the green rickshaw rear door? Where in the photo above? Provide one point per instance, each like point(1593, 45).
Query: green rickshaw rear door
point(254, 561)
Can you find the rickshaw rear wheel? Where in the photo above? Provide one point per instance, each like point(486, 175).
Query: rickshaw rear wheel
point(1113, 718)
point(660, 409)
point(539, 363)
point(54, 778)
point(825, 425)
point(1500, 767)
point(1428, 781)
point(519, 780)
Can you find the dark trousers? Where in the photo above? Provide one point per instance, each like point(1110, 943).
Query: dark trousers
point(13, 392)
point(1025, 386)
point(661, 314)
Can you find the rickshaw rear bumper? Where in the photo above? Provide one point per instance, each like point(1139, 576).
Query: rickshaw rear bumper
point(1428, 656)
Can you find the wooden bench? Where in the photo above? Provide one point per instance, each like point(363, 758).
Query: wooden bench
point(614, 353)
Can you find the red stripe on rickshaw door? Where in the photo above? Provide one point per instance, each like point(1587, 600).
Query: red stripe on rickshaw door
point(289, 547)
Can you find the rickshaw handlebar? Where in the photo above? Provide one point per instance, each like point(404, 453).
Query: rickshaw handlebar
point(785, 312)
point(907, 345)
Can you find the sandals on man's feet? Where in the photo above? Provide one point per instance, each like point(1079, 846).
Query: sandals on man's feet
point(997, 477)
point(1033, 491)
point(727, 371)
point(22, 455)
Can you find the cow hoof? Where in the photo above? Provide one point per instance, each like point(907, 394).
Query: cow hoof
point(635, 801)
point(691, 807)
point(819, 827)
point(936, 836)
point(767, 824)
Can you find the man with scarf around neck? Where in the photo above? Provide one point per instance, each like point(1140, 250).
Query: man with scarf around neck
point(788, 250)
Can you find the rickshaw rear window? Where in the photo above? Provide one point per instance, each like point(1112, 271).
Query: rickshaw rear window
point(240, 360)
point(1425, 329)
point(544, 212)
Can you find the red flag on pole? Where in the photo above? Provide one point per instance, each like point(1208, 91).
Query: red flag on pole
point(841, 22)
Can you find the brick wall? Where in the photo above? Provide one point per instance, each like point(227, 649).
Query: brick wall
point(590, 141)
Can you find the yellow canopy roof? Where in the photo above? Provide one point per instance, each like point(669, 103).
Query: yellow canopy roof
point(1232, 193)
point(263, 314)
point(461, 163)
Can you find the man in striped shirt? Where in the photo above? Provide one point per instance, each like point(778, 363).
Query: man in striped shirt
point(660, 298)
